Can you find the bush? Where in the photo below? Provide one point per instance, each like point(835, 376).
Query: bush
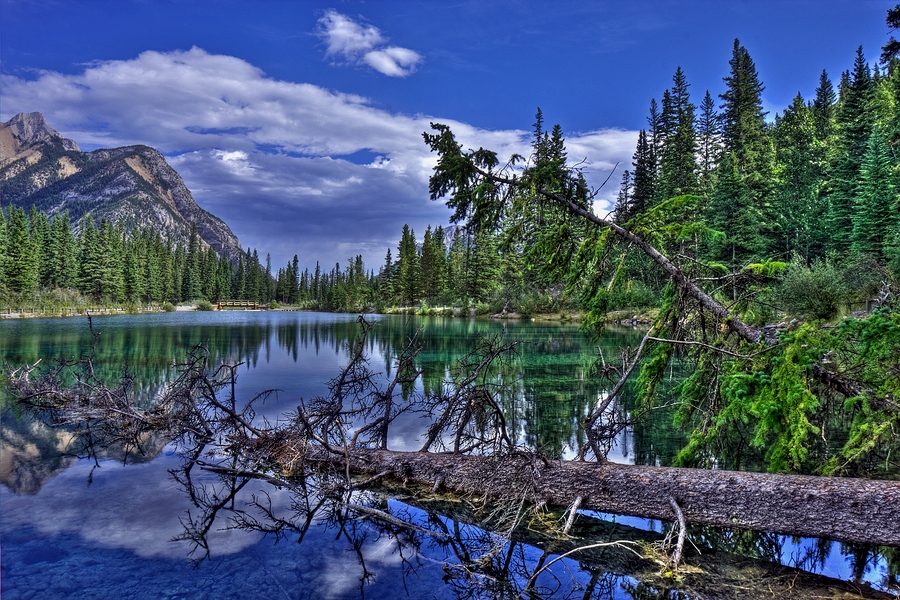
point(204, 305)
point(168, 307)
point(811, 293)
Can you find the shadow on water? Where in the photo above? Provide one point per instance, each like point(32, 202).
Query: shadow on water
point(78, 522)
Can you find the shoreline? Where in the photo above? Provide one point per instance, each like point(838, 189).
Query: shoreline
point(631, 317)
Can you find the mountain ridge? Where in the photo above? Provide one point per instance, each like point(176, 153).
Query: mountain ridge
point(133, 185)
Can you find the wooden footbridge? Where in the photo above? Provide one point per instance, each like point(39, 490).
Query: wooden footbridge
point(239, 305)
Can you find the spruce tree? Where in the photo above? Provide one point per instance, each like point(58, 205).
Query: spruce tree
point(875, 206)
point(39, 230)
point(709, 141)
point(797, 207)
point(644, 186)
point(745, 138)
point(21, 259)
point(854, 121)
point(112, 281)
point(678, 161)
point(408, 276)
point(743, 121)
point(733, 212)
point(3, 284)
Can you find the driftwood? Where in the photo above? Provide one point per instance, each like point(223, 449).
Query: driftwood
point(844, 509)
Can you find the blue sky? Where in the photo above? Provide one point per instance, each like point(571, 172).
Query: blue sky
point(299, 123)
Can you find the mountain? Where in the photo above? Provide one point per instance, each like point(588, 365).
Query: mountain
point(133, 184)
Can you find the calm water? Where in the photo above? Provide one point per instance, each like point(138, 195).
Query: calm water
point(78, 528)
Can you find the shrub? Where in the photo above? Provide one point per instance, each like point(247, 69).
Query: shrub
point(816, 292)
point(204, 305)
point(168, 307)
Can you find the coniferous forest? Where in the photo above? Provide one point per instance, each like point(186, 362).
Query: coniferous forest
point(46, 261)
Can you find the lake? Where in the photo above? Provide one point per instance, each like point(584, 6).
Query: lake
point(111, 526)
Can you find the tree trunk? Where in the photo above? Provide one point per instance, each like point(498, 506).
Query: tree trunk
point(844, 509)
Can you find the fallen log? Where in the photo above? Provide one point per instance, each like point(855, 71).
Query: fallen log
point(843, 509)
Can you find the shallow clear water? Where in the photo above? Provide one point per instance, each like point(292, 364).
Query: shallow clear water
point(75, 528)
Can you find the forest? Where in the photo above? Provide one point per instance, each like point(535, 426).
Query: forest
point(43, 261)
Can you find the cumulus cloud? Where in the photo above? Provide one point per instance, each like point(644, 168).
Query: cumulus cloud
point(364, 44)
point(291, 167)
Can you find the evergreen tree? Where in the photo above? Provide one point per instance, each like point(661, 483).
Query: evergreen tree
point(744, 135)
point(21, 269)
point(3, 285)
point(733, 212)
point(709, 140)
point(743, 119)
point(644, 176)
point(407, 282)
point(294, 290)
point(624, 204)
point(797, 207)
point(874, 215)
point(89, 259)
point(111, 276)
point(854, 121)
point(62, 253)
point(457, 265)
point(39, 230)
point(678, 161)
point(191, 278)
point(484, 266)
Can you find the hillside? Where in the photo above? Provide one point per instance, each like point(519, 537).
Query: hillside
point(132, 184)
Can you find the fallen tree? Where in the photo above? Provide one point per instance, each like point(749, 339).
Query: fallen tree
point(845, 509)
point(468, 450)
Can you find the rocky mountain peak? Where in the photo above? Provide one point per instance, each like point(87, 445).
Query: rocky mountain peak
point(30, 128)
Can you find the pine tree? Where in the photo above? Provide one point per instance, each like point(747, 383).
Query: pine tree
point(21, 260)
point(733, 212)
point(408, 280)
point(709, 140)
point(644, 176)
point(678, 161)
point(39, 230)
point(854, 121)
point(744, 135)
point(797, 207)
point(874, 215)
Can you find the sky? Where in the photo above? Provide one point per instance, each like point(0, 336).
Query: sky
point(299, 123)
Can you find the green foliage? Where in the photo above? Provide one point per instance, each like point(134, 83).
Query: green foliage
point(168, 307)
point(812, 293)
point(204, 305)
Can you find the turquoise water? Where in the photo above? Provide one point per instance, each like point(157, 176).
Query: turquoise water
point(76, 527)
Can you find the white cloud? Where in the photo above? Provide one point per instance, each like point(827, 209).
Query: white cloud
point(364, 44)
point(346, 37)
point(291, 167)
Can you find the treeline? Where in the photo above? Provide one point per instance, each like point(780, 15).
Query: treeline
point(460, 268)
point(105, 262)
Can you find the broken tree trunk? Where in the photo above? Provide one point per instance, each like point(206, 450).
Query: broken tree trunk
point(844, 509)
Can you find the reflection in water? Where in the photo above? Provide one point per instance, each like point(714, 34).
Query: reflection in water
point(104, 530)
